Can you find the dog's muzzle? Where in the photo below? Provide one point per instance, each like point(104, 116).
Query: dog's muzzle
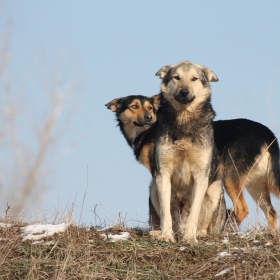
point(184, 96)
point(147, 121)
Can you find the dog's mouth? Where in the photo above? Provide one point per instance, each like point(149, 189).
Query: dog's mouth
point(184, 99)
point(145, 124)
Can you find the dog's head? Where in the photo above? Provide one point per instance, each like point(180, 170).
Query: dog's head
point(185, 83)
point(136, 110)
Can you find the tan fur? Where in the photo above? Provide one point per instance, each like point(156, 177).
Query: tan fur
point(144, 157)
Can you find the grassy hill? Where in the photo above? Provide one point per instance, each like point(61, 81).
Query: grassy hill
point(86, 253)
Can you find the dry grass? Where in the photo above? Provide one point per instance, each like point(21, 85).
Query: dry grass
point(81, 253)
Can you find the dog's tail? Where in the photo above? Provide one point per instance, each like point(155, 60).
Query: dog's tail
point(274, 169)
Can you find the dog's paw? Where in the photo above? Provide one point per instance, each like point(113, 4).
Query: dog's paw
point(202, 232)
point(155, 233)
point(166, 238)
point(189, 239)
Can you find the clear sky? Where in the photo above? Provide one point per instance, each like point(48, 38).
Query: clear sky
point(113, 49)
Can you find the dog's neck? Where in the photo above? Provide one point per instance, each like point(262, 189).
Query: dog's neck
point(177, 124)
point(131, 131)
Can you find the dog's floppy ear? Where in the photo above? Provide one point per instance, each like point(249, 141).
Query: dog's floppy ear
point(156, 101)
point(114, 105)
point(211, 76)
point(163, 71)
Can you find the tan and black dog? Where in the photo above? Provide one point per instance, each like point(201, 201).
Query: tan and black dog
point(138, 124)
point(184, 149)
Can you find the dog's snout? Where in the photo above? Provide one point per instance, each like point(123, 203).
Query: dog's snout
point(148, 117)
point(184, 92)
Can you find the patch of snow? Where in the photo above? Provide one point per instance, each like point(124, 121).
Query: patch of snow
point(247, 248)
point(116, 237)
point(52, 242)
point(235, 248)
point(104, 228)
point(37, 232)
point(43, 243)
point(245, 234)
point(5, 225)
point(256, 248)
point(210, 243)
point(38, 242)
point(182, 248)
point(224, 254)
point(268, 244)
point(225, 241)
point(223, 272)
point(256, 241)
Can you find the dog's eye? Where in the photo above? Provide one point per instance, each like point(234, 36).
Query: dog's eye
point(194, 79)
point(176, 78)
point(134, 106)
point(150, 108)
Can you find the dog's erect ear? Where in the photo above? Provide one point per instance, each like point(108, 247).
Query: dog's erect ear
point(156, 101)
point(211, 76)
point(163, 71)
point(114, 105)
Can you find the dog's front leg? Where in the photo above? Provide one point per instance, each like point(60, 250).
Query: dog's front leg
point(164, 194)
point(190, 227)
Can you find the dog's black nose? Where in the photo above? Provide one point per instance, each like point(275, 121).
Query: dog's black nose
point(148, 117)
point(184, 92)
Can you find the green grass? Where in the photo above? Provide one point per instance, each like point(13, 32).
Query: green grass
point(80, 253)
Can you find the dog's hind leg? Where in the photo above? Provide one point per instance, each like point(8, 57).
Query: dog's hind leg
point(154, 207)
point(235, 192)
point(213, 210)
point(258, 185)
point(259, 191)
point(154, 220)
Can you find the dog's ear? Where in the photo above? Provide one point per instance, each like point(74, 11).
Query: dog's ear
point(114, 105)
point(156, 101)
point(163, 71)
point(211, 76)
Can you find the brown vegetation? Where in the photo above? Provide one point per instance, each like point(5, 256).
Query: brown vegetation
point(82, 253)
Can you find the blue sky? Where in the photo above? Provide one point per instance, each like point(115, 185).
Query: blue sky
point(114, 48)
